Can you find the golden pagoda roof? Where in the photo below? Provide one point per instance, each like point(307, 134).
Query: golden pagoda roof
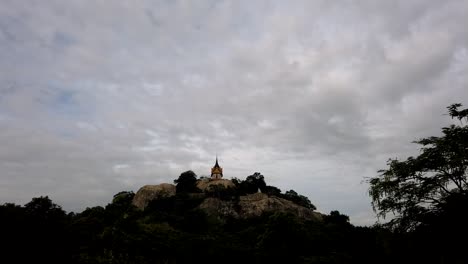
point(217, 169)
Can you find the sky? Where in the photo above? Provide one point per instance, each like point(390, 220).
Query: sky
point(98, 97)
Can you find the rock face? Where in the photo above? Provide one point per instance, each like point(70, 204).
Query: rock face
point(148, 193)
point(205, 184)
point(256, 204)
point(219, 208)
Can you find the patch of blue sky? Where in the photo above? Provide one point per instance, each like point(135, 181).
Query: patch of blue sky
point(62, 39)
point(65, 107)
point(5, 92)
point(69, 103)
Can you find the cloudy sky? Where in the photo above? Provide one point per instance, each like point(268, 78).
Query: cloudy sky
point(98, 97)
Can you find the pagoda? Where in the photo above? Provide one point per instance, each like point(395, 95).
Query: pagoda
point(216, 171)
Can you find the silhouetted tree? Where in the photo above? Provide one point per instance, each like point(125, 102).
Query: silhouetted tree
point(124, 197)
point(121, 206)
point(252, 184)
point(187, 182)
point(416, 188)
point(47, 227)
point(42, 208)
point(272, 190)
point(336, 217)
point(428, 196)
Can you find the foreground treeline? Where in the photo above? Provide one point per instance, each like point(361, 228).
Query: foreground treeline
point(174, 230)
point(171, 231)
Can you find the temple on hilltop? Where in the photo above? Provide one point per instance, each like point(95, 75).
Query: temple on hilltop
point(216, 171)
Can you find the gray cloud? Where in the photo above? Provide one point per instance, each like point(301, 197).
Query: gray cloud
point(96, 98)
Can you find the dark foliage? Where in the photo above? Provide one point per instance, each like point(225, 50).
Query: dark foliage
point(171, 230)
point(252, 184)
point(39, 226)
point(298, 199)
point(427, 195)
point(418, 188)
point(187, 183)
point(256, 183)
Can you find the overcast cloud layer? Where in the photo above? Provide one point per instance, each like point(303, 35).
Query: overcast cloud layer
point(97, 97)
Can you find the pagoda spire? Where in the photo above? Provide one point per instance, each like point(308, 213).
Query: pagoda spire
point(216, 171)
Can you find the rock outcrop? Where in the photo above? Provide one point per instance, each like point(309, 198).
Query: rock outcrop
point(205, 184)
point(256, 204)
point(246, 206)
point(148, 193)
point(219, 208)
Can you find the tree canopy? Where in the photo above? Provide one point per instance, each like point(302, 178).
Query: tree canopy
point(299, 199)
point(420, 187)
point(187, 182)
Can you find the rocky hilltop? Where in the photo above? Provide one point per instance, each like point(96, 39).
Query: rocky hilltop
point(206, 184)
point(245, 206)
point(148, 193)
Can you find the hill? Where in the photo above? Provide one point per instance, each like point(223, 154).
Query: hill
point(215, 202)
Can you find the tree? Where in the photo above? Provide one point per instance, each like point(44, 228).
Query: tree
point(418, 188)
point(121, 206)
point(335, 217)
point(272, 190)
point(123, 197)
point(46, 228)
point(298, 199)
point(253, 183)
point(43, 209)
point(187, 182)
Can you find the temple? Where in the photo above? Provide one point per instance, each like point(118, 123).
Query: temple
point(216, 171)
